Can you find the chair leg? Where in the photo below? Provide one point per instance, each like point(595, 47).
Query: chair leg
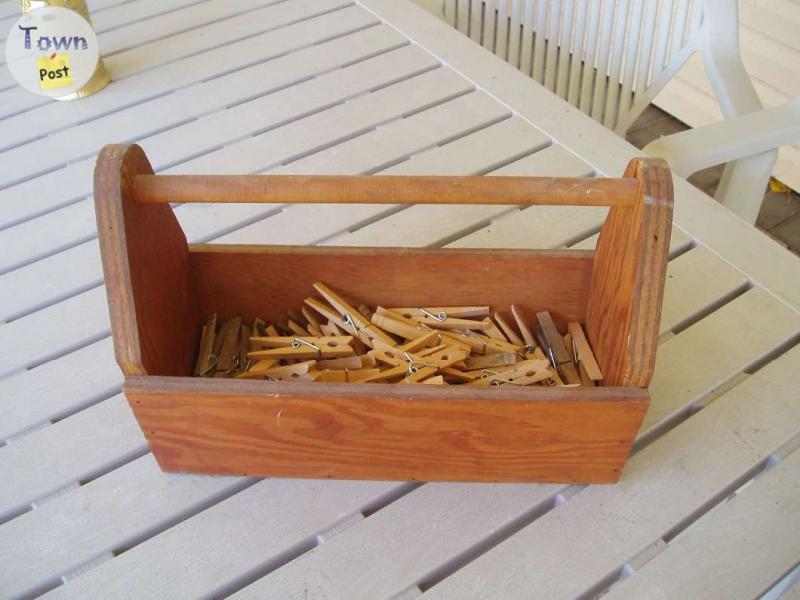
point(744, 182)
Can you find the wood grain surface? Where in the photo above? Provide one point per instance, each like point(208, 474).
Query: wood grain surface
point(627, 288)
point(263, 281)
point(380, 431)
point(154, 313)
point(384, 189)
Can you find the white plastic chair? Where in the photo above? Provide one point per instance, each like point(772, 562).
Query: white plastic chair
point(610, 58)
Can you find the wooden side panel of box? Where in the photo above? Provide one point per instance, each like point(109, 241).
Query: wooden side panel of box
point(387, 432)
point(263, 281)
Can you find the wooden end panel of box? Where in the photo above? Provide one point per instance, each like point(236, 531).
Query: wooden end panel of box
point(373, 431)
point(627, 287)
point(152, 304)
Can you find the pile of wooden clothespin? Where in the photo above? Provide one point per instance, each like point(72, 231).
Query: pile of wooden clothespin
point(330, 340)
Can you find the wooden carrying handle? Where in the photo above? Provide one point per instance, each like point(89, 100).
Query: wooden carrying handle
point(377, 189)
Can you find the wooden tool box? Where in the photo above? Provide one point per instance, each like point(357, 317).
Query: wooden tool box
point(160, 291)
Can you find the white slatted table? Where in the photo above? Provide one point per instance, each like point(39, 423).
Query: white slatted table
point(708, 505)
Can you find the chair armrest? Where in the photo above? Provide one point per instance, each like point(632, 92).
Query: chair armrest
point(690, 151)
point(722, 58)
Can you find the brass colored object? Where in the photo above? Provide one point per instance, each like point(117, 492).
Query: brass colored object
point(100, 77)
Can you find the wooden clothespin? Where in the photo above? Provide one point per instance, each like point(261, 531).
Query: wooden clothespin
point(427, 340)
point(296, 328)
point(584, 357)
point(443, 321)
point(412, 367)
point(422, 367)
point(483, 344)
point(415, 330)
point(509, 332)
point(554, 343)
point(301, 347)
point(283, 328)
point(396, 326)
point(259, 328)
point(487, 361)
point(297, 317)
point(455, 374)
point(243, 347)
point(525, 372)
point(443, 312)
point(330, 329)
point(336, 320)
point(353, 320)
point(534, 363)
point(494, 345)
point(346, 375)
point(313, 323)
point(489, 328)
point(570, 346)
point(432, 350)
point(226, 345)
point(347, 362)
point(527, 336)
point(555, 378)
point(257, 370)
point(365, 311)
point(295, 372)
point(206, 359)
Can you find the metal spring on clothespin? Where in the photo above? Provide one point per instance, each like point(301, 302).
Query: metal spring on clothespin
point(495, 380)
point(412, 370)
point(212, 363)
point(441, 317)
point(347, 319)
point(298, 342)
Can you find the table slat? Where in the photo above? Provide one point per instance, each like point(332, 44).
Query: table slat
point(217, 50)
point(433, 225)
point(736, 551)
point(224, 127)
point(106, 515)
point(229, 84)
point(267, 524)
point(735, 336)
